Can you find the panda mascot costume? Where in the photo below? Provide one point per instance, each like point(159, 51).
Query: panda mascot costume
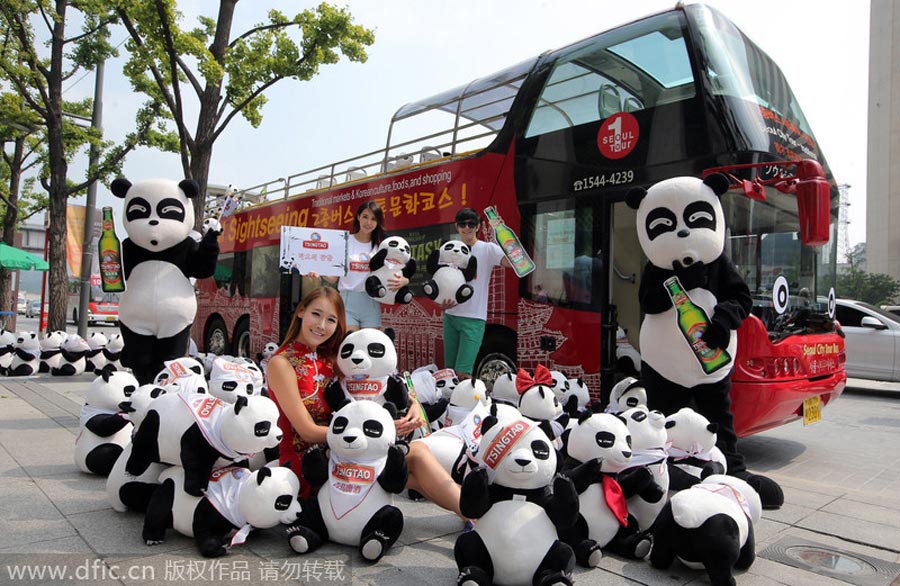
point(392, 258)
point(515, 541)
point(450, 267)
point(687, 357)
point(159, 258)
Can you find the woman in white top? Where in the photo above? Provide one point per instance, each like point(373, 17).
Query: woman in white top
point(366, 234)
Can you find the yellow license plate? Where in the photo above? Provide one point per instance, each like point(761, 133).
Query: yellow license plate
point(110, 318)
point(812, 410)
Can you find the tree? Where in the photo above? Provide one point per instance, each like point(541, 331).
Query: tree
point(35, 66)
point(230, 74)
point(856, 283)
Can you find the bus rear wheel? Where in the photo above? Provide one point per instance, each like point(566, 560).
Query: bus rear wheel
point(241, 339)
point(216, 341)
point(496, 358)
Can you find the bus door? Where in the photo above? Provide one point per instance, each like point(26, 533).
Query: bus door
point(627, 261)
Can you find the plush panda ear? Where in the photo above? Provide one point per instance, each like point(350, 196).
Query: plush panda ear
point(712, 428)
point(620, 418)
point(240, 404)
point(190, 188)
point(120, 187)
point(670, 424)
point(584, 416)
point(262, 474)
point(390, 408)
point(343, 404)
point(718, 182)
point(489, 422)
point(105, 375)
point(634, 197)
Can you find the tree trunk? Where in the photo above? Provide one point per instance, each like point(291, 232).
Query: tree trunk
point(10, 221)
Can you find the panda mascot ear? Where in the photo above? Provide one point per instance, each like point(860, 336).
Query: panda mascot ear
point(262, 474)
point(634, 197)
point(718, 182)
point(190, 188)
point(240, 404)
point(488, 422)
point(120, 187)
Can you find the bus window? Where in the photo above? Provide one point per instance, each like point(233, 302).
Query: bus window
point(263, 272)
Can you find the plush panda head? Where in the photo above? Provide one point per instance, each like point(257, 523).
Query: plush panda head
point(269, 350)
point(469, 393)
point(256, 373)
point(445, 380)
point(50, 340)
point(116, 343)
point(577, 394)
point(139, 403)
point(517, 454)
point(603, 436)
point(627, 394)
point(361, 430)
point(29, 342)
point(689, 432)
point(504, 389)
point(455, 253)
point(251, 426)
point(97, 341)
point(536, 399)
point(680, 220)
point(647, 428)
point(230, 380)
point(560, 384)
point(111, 388)
point(269, 497)
point(158, 213)
point(180, 367)
point(192, 384)
point(367, 353)
point(397, 248)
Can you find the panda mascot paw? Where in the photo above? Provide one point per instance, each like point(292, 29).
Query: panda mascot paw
point(392, 259)
point(510, 492)
point(450, 267)
point(367, 358)
point(355, 506)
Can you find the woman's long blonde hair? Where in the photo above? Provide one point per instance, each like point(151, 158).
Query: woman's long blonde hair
point(329, 348)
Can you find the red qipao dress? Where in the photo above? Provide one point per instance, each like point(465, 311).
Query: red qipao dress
point(313, 373)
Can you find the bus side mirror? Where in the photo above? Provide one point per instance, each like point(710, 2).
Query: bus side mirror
point(813, 203)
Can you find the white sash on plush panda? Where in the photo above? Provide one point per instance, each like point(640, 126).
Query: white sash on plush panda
point(364, 389)
point(223, 493)
point(351, 482)
point(676, 454)
point(646, 457)
point(207, 412)
point(728, 492)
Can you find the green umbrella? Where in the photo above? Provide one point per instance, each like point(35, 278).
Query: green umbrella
point(13, 258)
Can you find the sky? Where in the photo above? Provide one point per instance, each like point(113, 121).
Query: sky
point(423, 48)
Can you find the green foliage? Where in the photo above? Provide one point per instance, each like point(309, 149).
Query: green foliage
point(874, 288)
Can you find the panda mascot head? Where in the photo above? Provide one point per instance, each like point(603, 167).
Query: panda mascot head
point(360, 431)
point(504, 389)
point(463, 399)
point(392, 258)
point(680, 220)
point(516, 454)
point(158, 213)
point(451, 267)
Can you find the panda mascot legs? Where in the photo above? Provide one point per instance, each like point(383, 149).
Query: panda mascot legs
point(146, 355)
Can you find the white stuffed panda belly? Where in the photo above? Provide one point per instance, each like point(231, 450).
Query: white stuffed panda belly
point(533, 537)
point(663, 345)
point(160, 300)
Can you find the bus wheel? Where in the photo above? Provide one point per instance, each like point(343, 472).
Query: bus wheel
point(241, 339)
point(496, 358)
point(216, 337)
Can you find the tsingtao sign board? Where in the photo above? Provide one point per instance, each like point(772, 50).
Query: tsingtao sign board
point(314, 250)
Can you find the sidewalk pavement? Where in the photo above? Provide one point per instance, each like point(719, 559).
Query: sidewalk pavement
point(53, 516)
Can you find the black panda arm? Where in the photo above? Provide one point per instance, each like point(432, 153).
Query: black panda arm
point(474, 496)
point(410, 269)
point(203, 256)
point(314, 467)
point(734, 303)
point(431, 265)
point(471, 269)
point(434, 410)
point(6, 350)
point(197, 459)
point(377, 260)
point(334, 395)
point(585, 474)
point(69, 356)
point(679, 479)
point(24, 355)
point(395, 474)
point(652, 293)
point(563, 507)
point(47, 354)
point(111, 355)
point(397, 393)
point(106, 424)
point(635, 481)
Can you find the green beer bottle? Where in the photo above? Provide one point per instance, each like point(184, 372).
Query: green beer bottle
point(693, 321)
point(111, 277)
point(510, 244)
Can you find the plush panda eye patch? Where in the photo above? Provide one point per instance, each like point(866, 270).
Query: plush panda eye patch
point(393, 244)
point(700, 214)
point(170, 209)
point(156, 392)
point(138, 209)
point(376, 350)
point(659, 221)
point(283, 502)
point(465, 250)
point(339, 424)
point(605, 439)
point(540, 449)
point(229, 385)
point(346, 350)
point(373, 428)
point(262, 428)
point(448, 246)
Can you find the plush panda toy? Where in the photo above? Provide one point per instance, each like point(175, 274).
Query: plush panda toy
point(626, 394)
point(597, 449)
point(392, 258)
point(73, 361)
point(681, 228)
point(560, 384)
point(113, 352)
point(51, 350)
point(451, 267)
point(445, 380)
point(104, 428)
point(709, 526)
point(7, 349)
point(159, 259)
point(236, 501)
point(195, 430)
point(538, 402)
point(358, 478)
point(504, 390)
point(179, 368)
point(26, 359)
point(649, 451)
point(94, 358)
point(515, 541)
point(693, 454)
point(465, 396)
point(576, 397)
point(368, 360)
point(230, 380)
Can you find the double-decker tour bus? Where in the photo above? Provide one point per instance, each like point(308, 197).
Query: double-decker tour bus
point(554, 144)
